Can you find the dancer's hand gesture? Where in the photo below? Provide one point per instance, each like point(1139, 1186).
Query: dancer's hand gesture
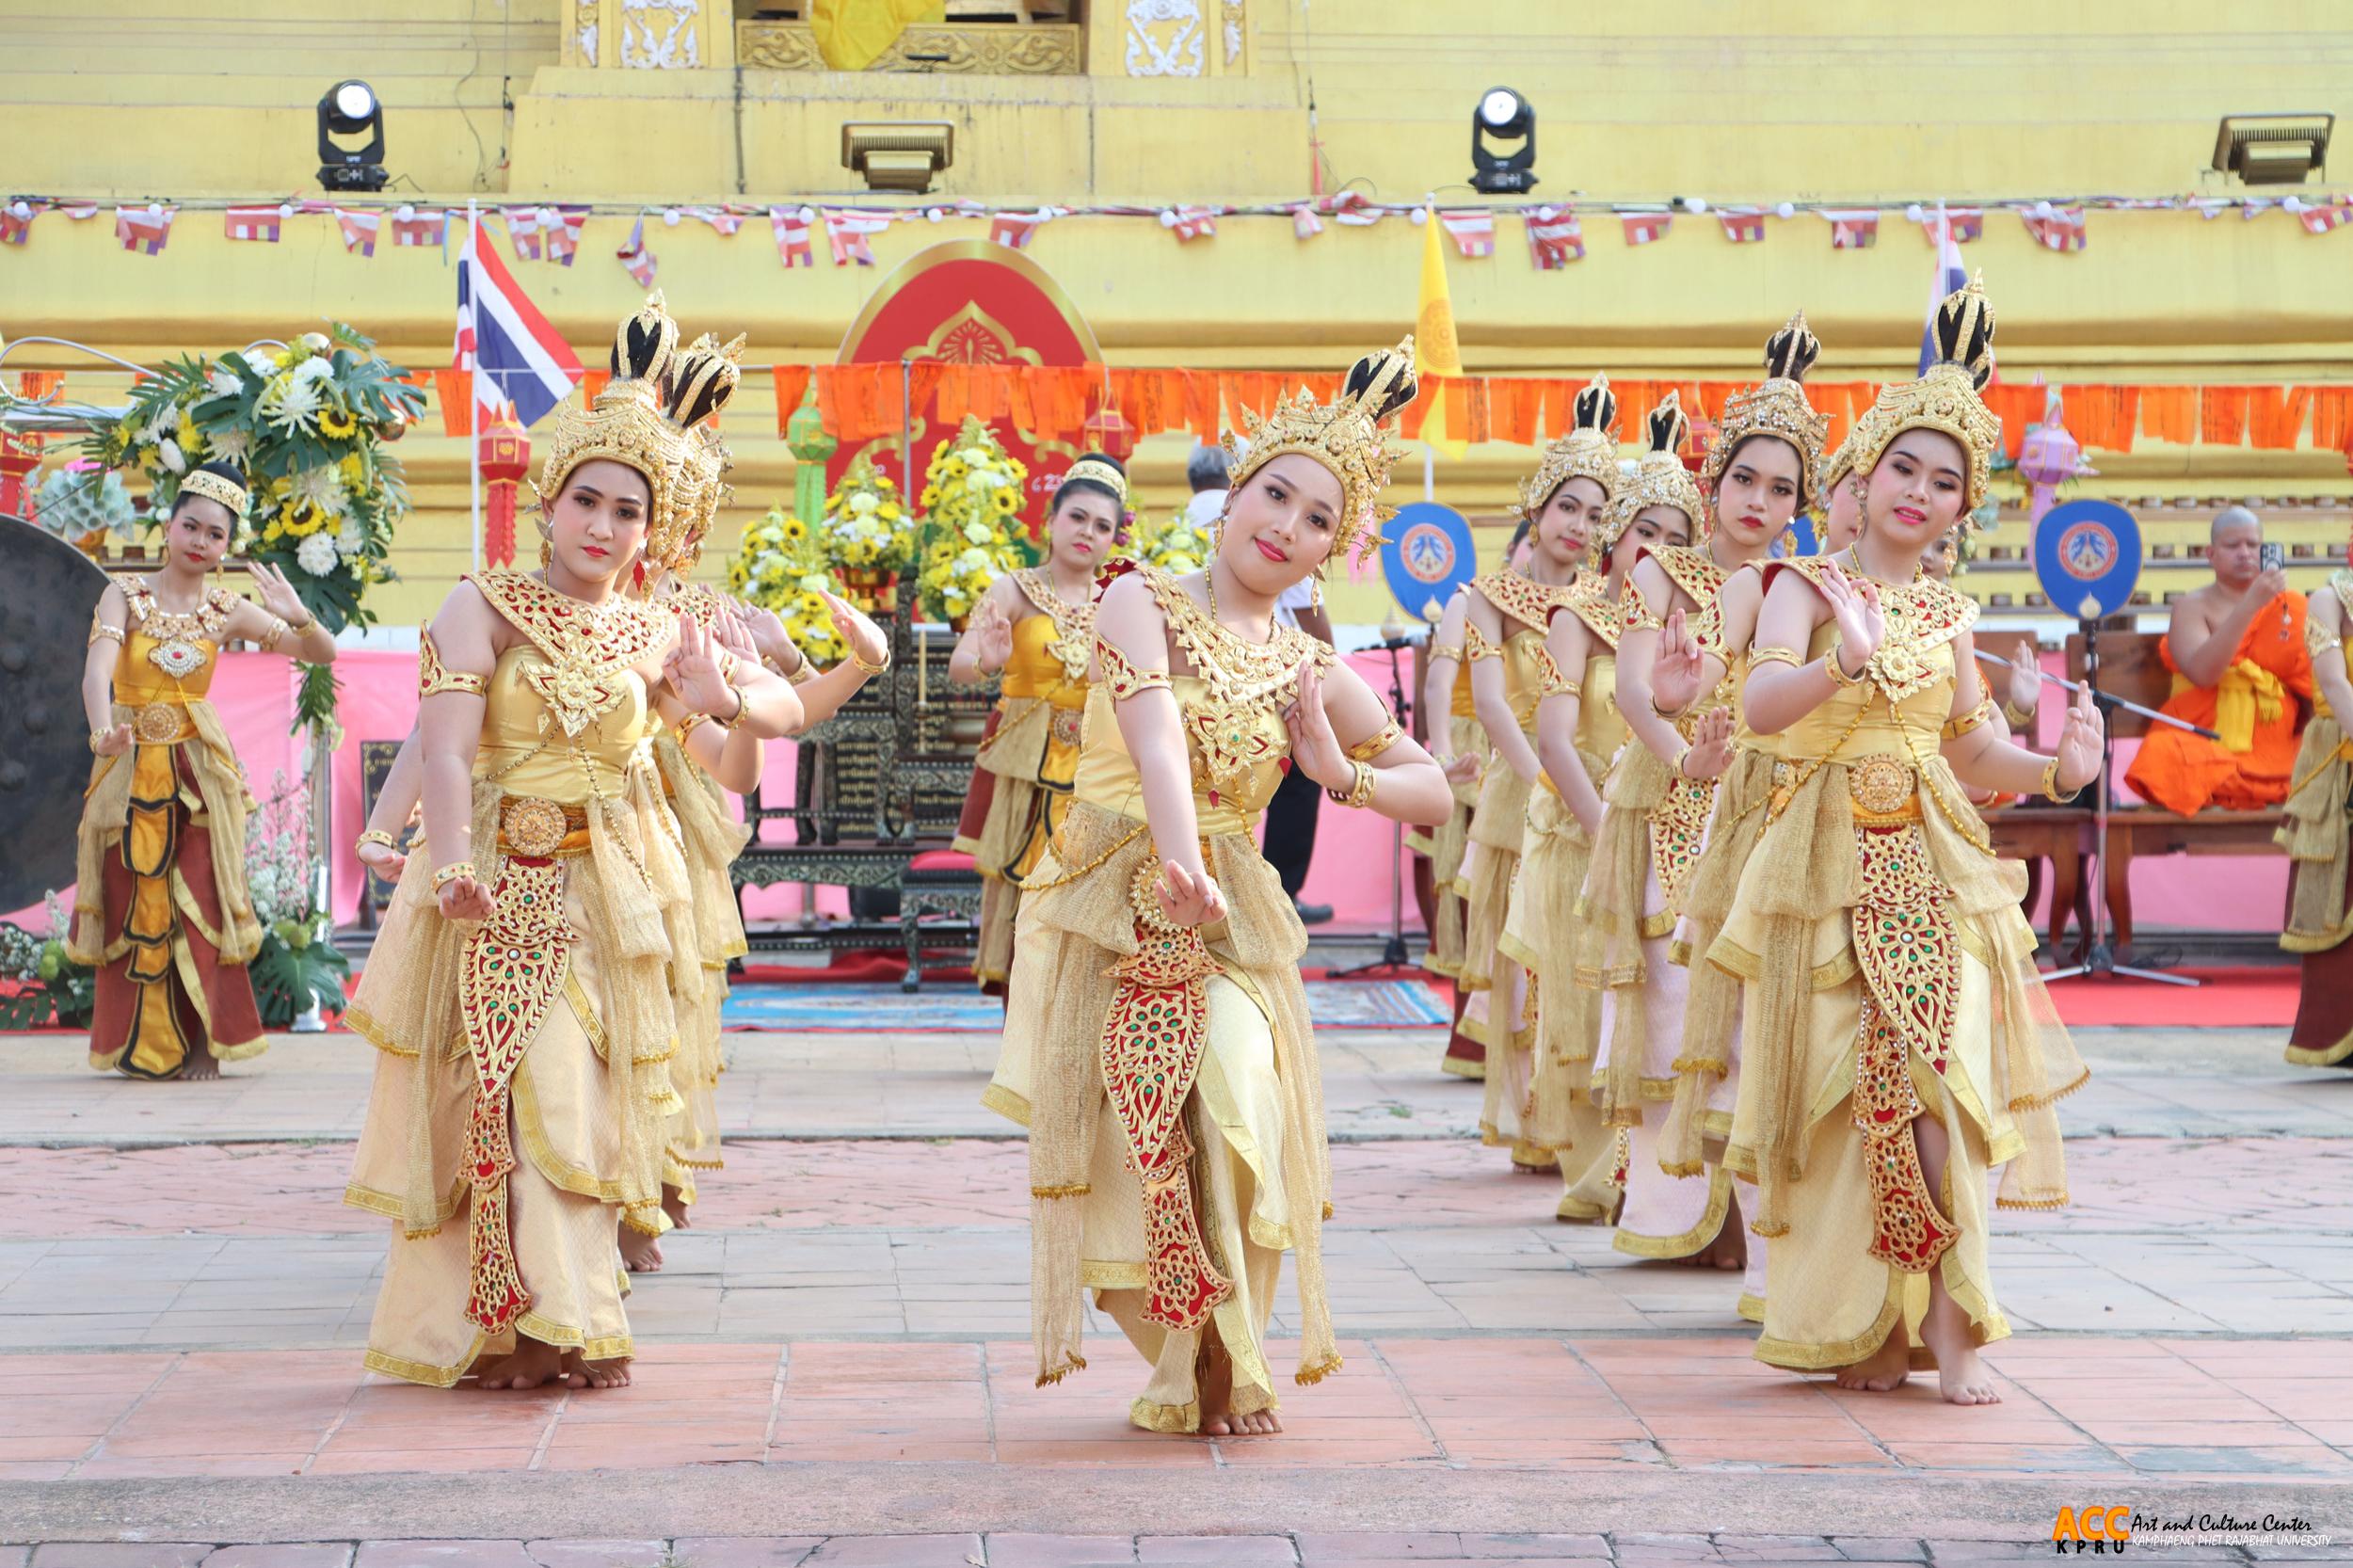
point(383, 859)
point(467, 898)
point(733, 633)
point(697, 671)
point(2026, 682)
point(1675, 676)
point(278, 594)
point(1462, 769)
point(866, 642)
point(1854, 608)
point(2080, 742)
point(1711, 746)
point(994, 648)
point(1186, 899)
point(113, 743)
point(1315, 750)
point(768, 632)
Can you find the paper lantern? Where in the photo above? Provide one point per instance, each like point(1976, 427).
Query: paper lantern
point(2049, 456)
point(504, 451)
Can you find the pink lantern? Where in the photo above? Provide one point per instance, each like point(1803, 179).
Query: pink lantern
point(2049, 456)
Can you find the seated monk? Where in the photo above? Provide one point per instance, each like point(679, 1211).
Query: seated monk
point(2240, 668)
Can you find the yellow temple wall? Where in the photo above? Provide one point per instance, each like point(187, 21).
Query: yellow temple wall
point(1829, 99)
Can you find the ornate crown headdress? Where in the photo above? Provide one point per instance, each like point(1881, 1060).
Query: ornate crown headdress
point(1587, 450)
point(1345, 436)
point(1946, 398)
point(651, 418)
point(1095, 471)
point(1659, 480)
point(1776, 407)
point(216, 486)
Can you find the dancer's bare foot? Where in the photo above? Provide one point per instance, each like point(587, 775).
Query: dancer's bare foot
point(1217, 1400)
point(1961, 1374)
point(1729, 1251)
point(201, 1067)
point(641, 1254)
point(534, 1365)
point(596, 1374)
point(1884, 1369)
point(674, 1205)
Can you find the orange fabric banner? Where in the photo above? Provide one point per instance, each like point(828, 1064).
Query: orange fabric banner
point(1512, 405)
point(792, 386)
point(591, 383)
point(455, 390)
point(2332, 419)
point(2168, 413)
point(2275, 414)
point(2016, 406)
point(1201, 405)
point(2222, 415)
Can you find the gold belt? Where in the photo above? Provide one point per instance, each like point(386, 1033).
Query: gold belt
point(156, 723)
point(1884, 790)
point(533, 828)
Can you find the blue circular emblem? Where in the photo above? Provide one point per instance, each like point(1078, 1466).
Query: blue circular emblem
point(1426, 556)
point(2086, 555)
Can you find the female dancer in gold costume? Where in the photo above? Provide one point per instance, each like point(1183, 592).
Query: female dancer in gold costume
point(160, 905)
point(1759, 471)
point(1157, 1041)
point(1504, 641)
point(2316, 835)
point(1038, 627)
point(521, 1008)
point(1895, 1040)
point(1578, 733)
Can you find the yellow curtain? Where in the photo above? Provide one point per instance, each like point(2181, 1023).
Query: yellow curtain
point(854, 34)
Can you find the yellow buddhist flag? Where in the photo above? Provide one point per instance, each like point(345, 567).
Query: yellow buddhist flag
point(1436, 350)
point(854, 34)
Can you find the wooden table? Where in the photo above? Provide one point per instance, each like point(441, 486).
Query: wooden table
point(2145, 831)
point(2063, 835)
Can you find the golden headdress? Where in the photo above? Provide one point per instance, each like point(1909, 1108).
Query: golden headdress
point(1345, 436)
point(1659, 480)
point(1946, 398)
point(651, 418)
point(1095, 471)
point(1588, 450)
point(215, 487)
point(1776, 407)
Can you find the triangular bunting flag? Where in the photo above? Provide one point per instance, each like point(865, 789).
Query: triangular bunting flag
point(1852, 228)
point(1016, 229)
point(1191, 223)
point(636, 258)
point(1473, 233)
point(145, 229)
point(253, 223)
point(1742, 225)
point(1556, 237)
point(1644, 228)
point(848, 232)
point(360, 230)
point(414, 228)
point(2056, 228)
point(791, 227)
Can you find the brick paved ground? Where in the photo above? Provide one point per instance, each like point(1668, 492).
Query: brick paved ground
point(834, 1365)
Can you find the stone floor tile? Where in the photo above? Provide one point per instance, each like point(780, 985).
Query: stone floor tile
point(897, 1551)
point(1058, 1551)
point(329, 1554)
point(1377, 1547)
point(1241, 1551)
point(596, 1554)
point(442, 1554)
point(743, 1551)
point(1881, 1548)
point(117, 1554)
point(1484, 1546)
point(1777, 1549)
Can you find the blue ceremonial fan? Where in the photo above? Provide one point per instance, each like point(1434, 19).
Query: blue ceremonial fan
point(2086, 554)
point(1427, 555)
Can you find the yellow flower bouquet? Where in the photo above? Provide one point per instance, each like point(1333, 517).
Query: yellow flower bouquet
point(780, 565)
point(972, 495)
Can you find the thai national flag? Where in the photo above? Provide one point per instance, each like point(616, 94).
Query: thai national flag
point(516, 354)
point(1950, 274)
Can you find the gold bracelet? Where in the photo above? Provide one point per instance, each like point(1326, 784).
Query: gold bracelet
point(743, 705)
point(272, 635)
point(95, 737)
point(1838, 676)
point(1681, 757)
point(2050, 781)
point(1662, 712)
point(375, 836)
point(308, 622)
point(1359, 792)
point(1774, 655)
point(2018, 719)
point(857, 658)
point(451, 872)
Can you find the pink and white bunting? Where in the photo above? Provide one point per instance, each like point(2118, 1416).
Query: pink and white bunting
point(1016, 229)
point(1191, 223)
point(638, 262)
point(522, 232)
point(359, 228)
point(1556, 237)
point(2057, 228)
point(145, 229)
point(849, 232)
point(411, 228)
point(2326, 216)
point(1352, 208)
point(1852, 228)
point(16, 220)
point(254, 223)
point(1473, 233)
point(1742, 225)
point(561, 228)
point(1647, 228)
point(1306, 225)
point(791, 227)
point(1966, 223)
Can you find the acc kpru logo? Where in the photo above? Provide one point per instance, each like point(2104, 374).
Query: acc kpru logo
point(2092, 1527)
point(2087, 550)
point(1427, 551)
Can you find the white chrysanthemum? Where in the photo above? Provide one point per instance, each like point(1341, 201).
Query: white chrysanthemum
point(863, 504)
point(981, 481)
point(977, 457)
point(350, 539)
point(169, 450)
point(323, 487)
point(224, 383)
point(316, 554)
point(314, 370)
point(292, 404)
point(231, 445)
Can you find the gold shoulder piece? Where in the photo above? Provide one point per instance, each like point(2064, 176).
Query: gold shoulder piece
point(433, 676)
point(1122, 676)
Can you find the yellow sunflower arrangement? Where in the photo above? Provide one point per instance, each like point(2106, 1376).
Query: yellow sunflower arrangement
point(1174, 546)
point(781, 567)
point(971, 499)
point(867, 525)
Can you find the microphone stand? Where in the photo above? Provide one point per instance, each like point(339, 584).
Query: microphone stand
point(1393, 953)
point(2100, 957)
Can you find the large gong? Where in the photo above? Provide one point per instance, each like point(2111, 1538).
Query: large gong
point(47, 591)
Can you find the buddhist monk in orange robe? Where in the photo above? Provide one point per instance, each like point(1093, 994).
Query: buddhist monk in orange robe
point(2240, 668)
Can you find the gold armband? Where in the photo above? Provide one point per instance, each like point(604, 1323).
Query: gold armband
point(375, 836)
point(1838, 676)
point(451, 872)
point(99, 629)
point(686, 726)
point(742, 705)
point(433, 676)
point(1956, 728)
point(1359, 792)
point(1447, 651)
point(2020, 719)
point(1476, 645)
point(1378, 742)
point(2318, 640)
point(1789, 656)
point(2051, 790)
point(272, 635)
point(1121, 675)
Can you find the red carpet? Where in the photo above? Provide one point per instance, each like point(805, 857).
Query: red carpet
point(2241, 998)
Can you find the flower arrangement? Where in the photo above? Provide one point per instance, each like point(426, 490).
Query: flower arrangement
point(297, 967)
point(868, 527)
point(44, 984)
point(971, 504)
point(1176, 545)
point(308, 423)
point(780, 566)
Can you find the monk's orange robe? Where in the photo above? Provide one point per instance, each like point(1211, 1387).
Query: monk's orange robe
point(2258, 707)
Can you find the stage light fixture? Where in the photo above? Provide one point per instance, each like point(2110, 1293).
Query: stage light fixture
point(2273, 148)
point(902, 156)
point(1503, 116)
point(346, 109)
